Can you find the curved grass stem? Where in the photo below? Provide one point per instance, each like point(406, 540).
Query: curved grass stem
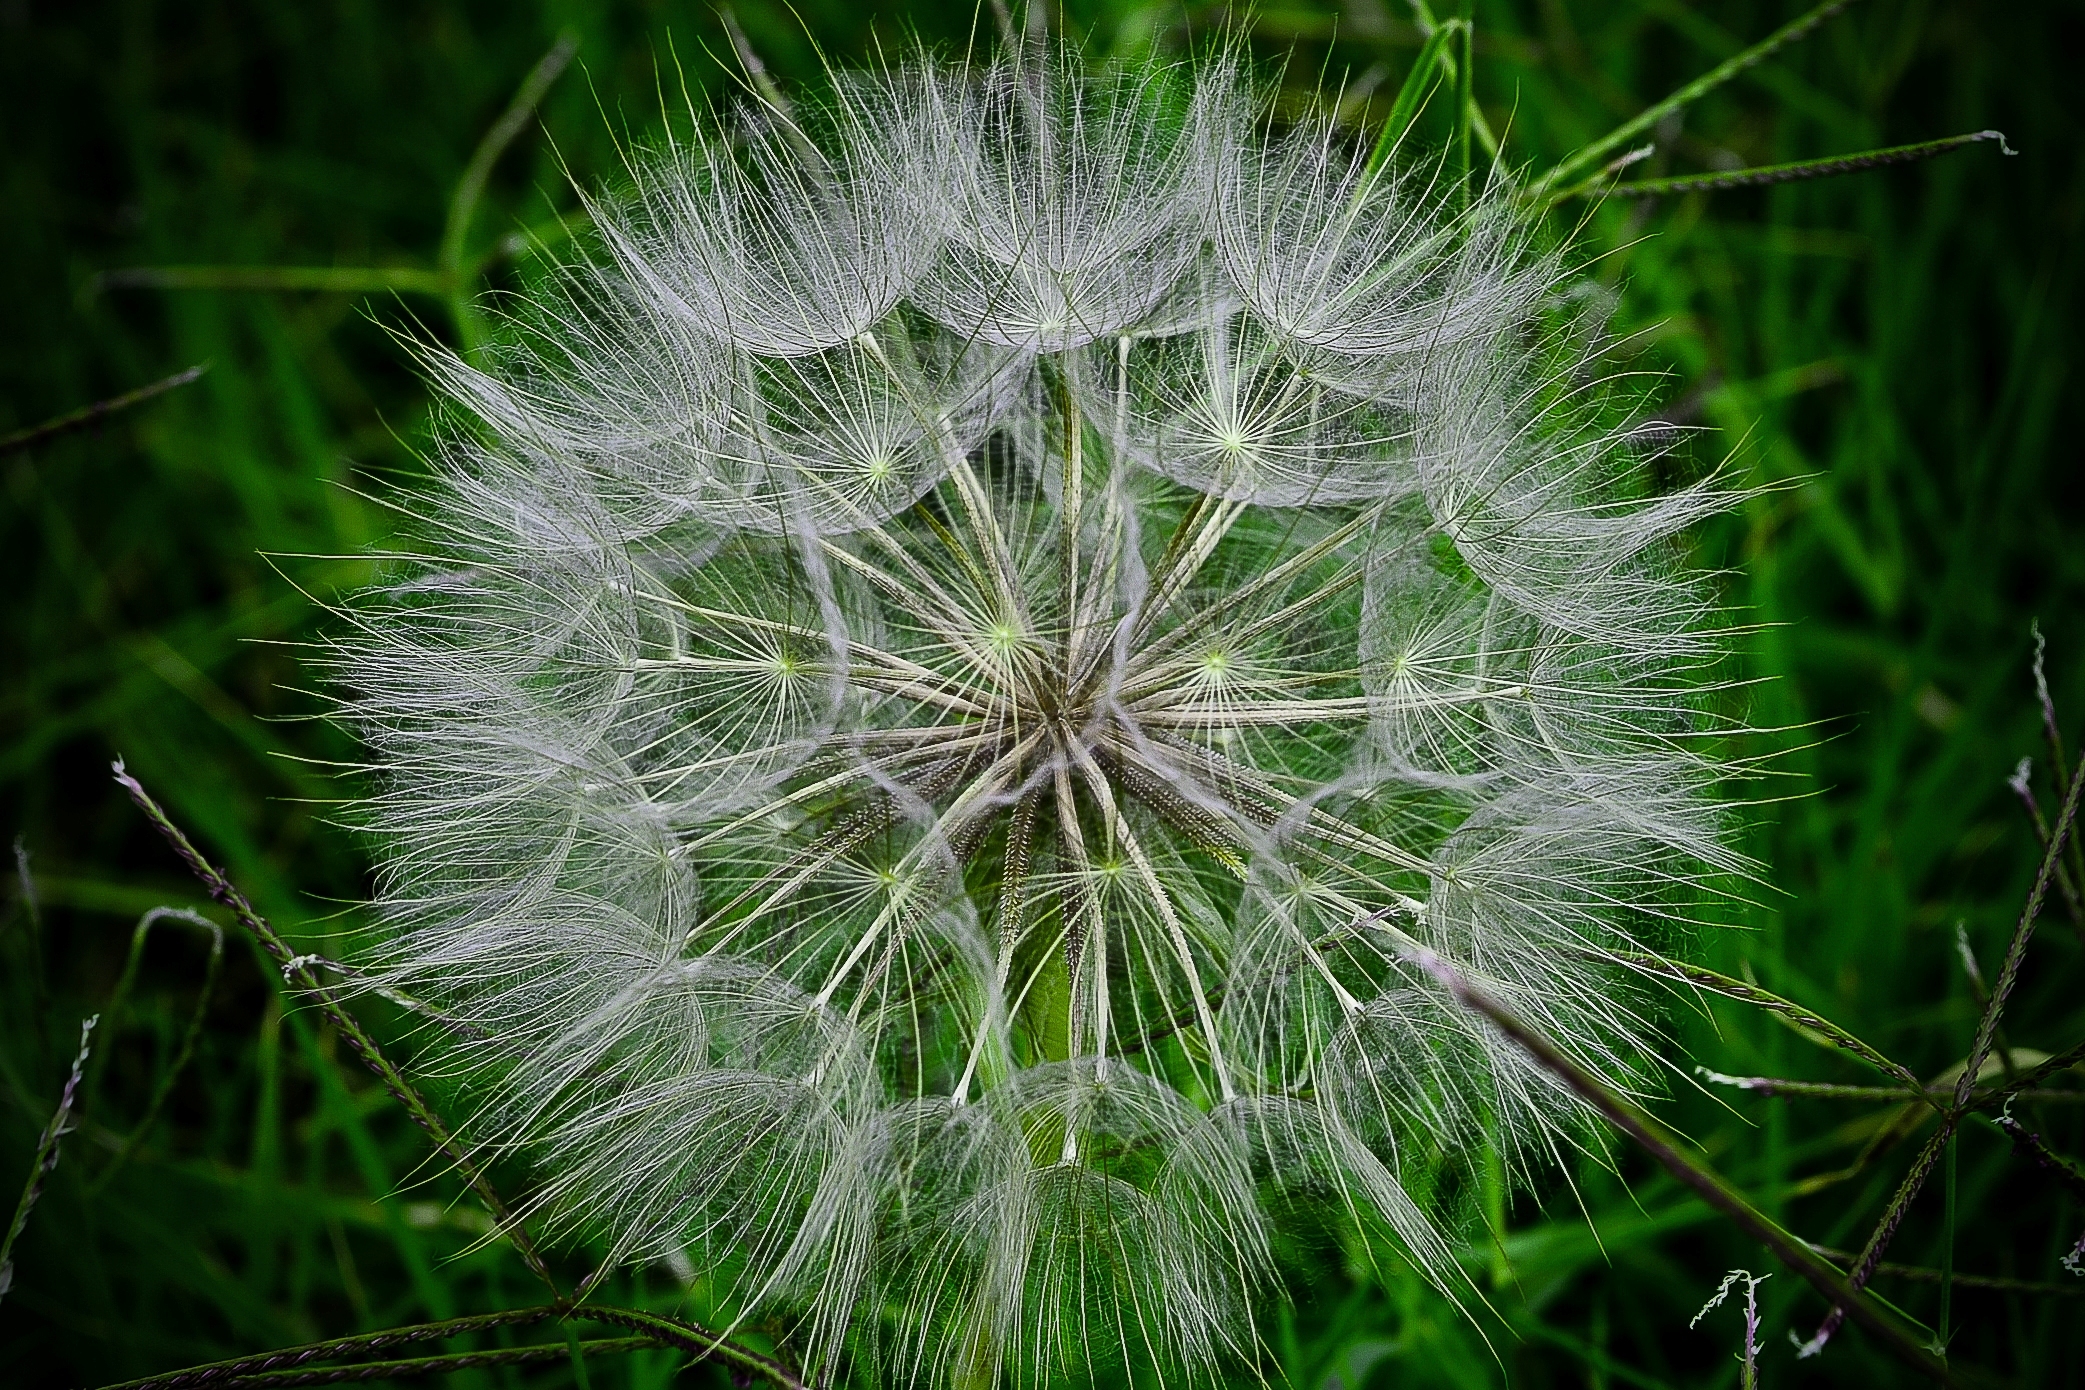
point(183, 1052)
point(334, 1349)
point(300, 1365)
point(456, 275)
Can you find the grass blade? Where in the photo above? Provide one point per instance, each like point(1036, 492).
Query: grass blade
point(1766, 174)
point(1465, 99)
point(1419, 86)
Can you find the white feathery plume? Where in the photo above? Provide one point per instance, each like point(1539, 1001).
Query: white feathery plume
point(1074, 201)
point(948, 665)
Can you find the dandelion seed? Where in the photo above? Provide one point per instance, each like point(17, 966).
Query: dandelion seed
point(948, 663)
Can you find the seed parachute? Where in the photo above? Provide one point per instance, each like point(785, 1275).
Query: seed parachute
point(950, 659)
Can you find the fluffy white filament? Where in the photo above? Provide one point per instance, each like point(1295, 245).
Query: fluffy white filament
point(946, 664)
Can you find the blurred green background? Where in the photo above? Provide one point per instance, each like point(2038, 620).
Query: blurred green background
point(1896, 347)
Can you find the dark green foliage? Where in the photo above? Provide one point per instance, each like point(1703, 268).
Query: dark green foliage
point(1893, 350)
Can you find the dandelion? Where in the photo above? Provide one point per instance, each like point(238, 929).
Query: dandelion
point(948, 664)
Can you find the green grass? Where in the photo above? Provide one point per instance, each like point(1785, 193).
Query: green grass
point(1896, 348)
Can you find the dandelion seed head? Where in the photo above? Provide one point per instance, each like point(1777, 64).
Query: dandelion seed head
point(949, 658)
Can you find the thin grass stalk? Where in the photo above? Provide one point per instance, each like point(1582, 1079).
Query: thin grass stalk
point(1715, 77)
point(1418, 89)
point(1783, 1088)
point(1923, 1274)
point(2026, 1141)
point(190, 1035)
point(1804, 1018)
point(288, 1366)
point(451, 280)
point(1694, 1173)
point(2053, 734)
point(325, 279)
point(2062, 1061)
point(39, 986)
point(2023, 932)
point(1980, 1049)
point(1464, 97)
point(93, 414)
point(337, 1348)
point(463, 203)
point(298, 972)
point(696, 1340)
point(1450, 64)
point(46, 1160)
point(1947, 1248)
point(2023, 787)
point(1792, 172)
point(2051, 730)
point(1885, 1231)
point(413, 1368)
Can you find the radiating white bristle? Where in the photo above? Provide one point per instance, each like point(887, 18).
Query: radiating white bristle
point(948, 661)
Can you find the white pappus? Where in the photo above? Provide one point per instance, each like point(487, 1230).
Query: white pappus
point(947, 659)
